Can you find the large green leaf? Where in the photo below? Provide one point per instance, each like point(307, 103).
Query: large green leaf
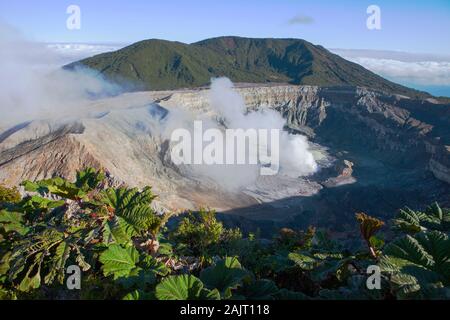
point(40, 203)
point(355, 289)
point(30, 281)
point(7, 294)
point(305, 262)
point(414, 263)
point(285, 294)
point(320, 265)
point(57, 186)
point(225, 275)
point(119, 261)
point(138, 295)
point(157, 267)
point(122, 198)
point(260, 290)
point(89, 179)
point(278, 262)
point(183, 287)
point(13, 221)
point(117, 230)
point(59, 259)
point(409, 248)
point(138, 278)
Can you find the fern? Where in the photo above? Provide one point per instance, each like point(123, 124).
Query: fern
point(415, 262)
point(434, 218)
point(119, 242)
point(133, 206)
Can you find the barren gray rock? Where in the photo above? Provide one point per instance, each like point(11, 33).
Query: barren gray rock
point(385, 142)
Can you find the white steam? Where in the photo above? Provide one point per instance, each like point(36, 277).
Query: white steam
point(295, 158)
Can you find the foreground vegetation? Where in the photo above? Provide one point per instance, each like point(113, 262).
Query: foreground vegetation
point(126, 251)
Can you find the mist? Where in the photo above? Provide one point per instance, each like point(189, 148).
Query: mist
point(34, 86)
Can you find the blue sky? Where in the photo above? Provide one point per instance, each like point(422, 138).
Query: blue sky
point(417, 30)
point(413, 26)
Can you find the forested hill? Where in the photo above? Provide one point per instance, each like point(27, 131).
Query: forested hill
point(163, 65)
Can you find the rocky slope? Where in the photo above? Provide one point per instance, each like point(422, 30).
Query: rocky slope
point(377, 152)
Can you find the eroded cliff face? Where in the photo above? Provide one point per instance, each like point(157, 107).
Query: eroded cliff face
point(395, 129)
point(378, 145)
point(387, 128)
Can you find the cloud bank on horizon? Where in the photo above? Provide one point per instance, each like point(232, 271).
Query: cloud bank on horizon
point(427, 72)
point(421, 71)
point(71, 52)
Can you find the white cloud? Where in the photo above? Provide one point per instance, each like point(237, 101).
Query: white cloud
point(301, 19)
point(422, 73)
point(409, 68)
point(70, 52)
point(35, 87)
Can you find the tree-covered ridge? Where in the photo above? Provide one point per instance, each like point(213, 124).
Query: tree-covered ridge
point(126, 251)
point(165, 65)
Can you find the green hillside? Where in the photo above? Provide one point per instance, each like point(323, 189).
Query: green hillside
point(161, 65)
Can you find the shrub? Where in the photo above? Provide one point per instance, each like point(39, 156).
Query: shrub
point(125, 252)
point(198, 231)
point(9, 195)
